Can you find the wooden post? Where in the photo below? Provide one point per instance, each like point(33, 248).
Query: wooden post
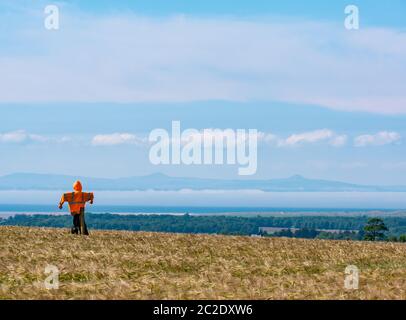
point(82, 221)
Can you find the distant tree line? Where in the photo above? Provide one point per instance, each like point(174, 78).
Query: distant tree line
point(306, 233)
point(390, 228)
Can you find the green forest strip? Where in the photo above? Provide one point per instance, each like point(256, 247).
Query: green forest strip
point(225, 225)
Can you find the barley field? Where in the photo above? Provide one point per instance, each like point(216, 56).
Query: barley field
point(138, 265)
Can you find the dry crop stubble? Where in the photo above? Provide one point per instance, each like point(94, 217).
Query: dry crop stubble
point(141, 265)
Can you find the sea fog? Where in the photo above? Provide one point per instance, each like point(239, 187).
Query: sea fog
point(207, 201)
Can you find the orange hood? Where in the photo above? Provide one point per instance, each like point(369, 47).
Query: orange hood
point(77, 186)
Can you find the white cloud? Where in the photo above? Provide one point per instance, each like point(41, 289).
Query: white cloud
point(21, 136)
point(116, 139)
point(378, 139)
point(14, 137)
point(308, 137)
point(329, 136)
point(230, 137)
point(312, 137)
point(128, 58)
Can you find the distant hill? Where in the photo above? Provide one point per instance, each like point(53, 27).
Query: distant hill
point(30, 181)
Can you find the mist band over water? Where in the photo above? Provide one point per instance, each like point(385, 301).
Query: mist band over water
point(208, 200)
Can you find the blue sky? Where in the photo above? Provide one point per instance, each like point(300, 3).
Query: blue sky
point(375, 12)
point(286, 68)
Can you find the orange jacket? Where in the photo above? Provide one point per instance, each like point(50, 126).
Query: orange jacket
point(76, 199)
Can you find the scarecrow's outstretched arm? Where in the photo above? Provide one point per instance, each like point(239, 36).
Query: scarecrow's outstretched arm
point(91, 197)
point(62, 201)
